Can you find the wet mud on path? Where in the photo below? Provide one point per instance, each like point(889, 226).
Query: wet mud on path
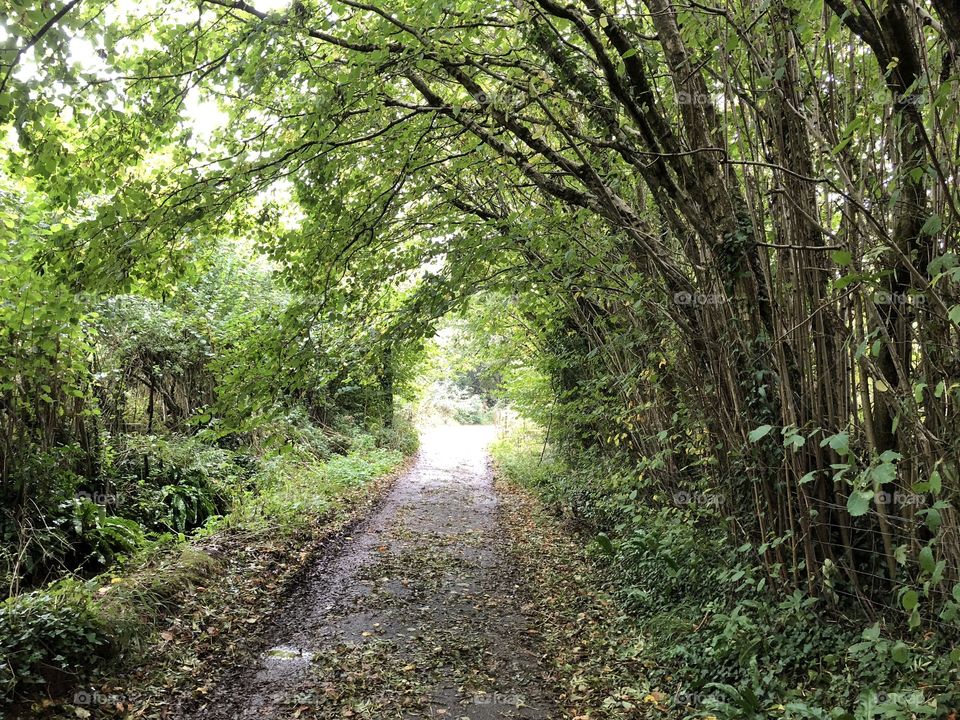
point(418, 614)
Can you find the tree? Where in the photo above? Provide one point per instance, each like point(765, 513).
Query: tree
point(658, 168)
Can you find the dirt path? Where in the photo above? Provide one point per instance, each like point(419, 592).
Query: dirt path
point(418, 615)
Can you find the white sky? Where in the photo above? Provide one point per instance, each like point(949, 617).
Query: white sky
point(201, 114)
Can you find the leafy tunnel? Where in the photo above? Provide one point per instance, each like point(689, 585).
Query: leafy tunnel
point(710, 249)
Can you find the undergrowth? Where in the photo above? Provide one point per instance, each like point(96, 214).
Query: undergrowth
point(53, 636)
point(716, 636)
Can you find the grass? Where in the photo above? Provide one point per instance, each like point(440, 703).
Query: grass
point(295, 489)
point(134, 614)
point(670, 616)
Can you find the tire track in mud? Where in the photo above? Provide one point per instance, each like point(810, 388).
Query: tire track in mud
point(419, 614)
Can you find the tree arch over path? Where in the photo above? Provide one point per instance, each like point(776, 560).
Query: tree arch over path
point(743, 214)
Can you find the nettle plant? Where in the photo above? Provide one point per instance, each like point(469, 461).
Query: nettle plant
point(903, 542)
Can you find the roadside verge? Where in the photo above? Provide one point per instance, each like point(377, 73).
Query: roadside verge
point(190, 612)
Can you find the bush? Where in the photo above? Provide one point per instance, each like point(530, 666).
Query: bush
point(521, 464)
point(187, 481)
point(77, 534)
point(294, 490)
point(447, 400)
point(362, 441)
point(596, 496)
point(402, 436)
point(294, 427)
point(48, 637)
point(358, 468)
point(94, 537)
point(32, 547)
point(471, 416)
point(717, 639)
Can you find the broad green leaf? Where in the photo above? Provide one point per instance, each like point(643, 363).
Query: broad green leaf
point(758, 433)
point(909, 600)
point(858, 502)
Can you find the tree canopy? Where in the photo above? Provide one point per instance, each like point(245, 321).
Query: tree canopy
point(727, 233)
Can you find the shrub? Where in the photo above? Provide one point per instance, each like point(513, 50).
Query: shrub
point(294, 489)
point(447, 400)
point(471, 416)
point(186, 482)
point(402, 436)
point(362, 441)
point(358, 468)
point(48, 637)
point(717, 638)
point(294, 427)
point(94, 537)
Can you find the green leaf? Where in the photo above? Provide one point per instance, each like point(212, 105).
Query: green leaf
point(794, 441)
point(933, 519)
point(606, 545)
point(954, 316)
point(884, 473)
point(918, 389)
point(909, 600)
point(936, 482)
point(759, 433)
point(927, 562)
point(842, 282)
point(899, 653)
point(858, 502)
point(932, 225)
point(842, 257)
point(839, 442)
